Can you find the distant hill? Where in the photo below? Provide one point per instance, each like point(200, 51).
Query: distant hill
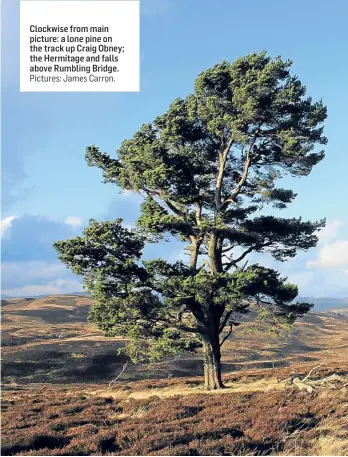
point(50, 340)
point(326, 303)
point(82, 293)
point(320, 304)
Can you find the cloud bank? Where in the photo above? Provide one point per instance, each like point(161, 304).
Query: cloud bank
point(30, 266)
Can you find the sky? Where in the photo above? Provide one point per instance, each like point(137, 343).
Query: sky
point(49, 193)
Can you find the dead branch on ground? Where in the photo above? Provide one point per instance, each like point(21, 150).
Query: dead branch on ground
point(333, 381)
point(120, 373)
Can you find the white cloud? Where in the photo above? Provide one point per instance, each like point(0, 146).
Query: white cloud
point(73, 221)
point(330, 231)
point(5, 226)
point(331, 255)
point(58, 286)
point(30, 278)
point(31, 271)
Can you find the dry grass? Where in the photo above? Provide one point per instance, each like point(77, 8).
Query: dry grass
point(32, 319)
point(332, 439)
point(329, 436)
point(262, 385)
point(261, 380)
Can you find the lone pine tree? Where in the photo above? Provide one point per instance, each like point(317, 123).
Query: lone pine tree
point(206, 168)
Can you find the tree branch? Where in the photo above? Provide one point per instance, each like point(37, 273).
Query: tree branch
point(314, 368)
point(199, 213)
point(228, 249)
point(244, 176)
point(226, 336)
point(235, 193)
point(245, 253)
point(171, 206)
point(123, 368)
point(219, 179)
point(241, 257)
point(185, 328)
point(160, 193)
point(222, 325)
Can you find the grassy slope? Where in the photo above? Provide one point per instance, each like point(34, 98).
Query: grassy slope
point(50, 340)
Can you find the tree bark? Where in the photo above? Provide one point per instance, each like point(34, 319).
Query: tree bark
point(195, 244)
point(212, 363)
point(215, 254)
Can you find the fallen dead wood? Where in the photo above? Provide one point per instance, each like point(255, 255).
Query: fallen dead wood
point(119, 375)
point(333, 381)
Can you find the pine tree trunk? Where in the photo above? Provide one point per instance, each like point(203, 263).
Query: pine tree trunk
point(212, 364)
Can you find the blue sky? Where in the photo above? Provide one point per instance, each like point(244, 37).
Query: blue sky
point(49, 193)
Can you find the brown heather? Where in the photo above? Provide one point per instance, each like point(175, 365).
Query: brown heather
point(88, 420)
point(56, 401)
